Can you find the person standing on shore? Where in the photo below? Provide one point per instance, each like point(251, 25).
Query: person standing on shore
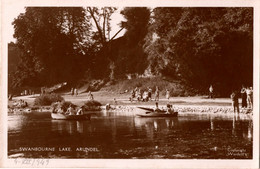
point(235, 104)
point(156, 94)
point(90, 96)
point(167, 94)
point(132, 95)
point(249, 92)
point(72, 91)
point(211, 92)
point(149, 93)
point(244, 97)
point(76, 92)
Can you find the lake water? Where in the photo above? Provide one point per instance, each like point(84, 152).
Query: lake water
point(116, 135)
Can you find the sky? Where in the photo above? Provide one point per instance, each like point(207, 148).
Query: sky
point(14, 11)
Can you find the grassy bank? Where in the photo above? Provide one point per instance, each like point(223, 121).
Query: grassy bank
point(176, 88)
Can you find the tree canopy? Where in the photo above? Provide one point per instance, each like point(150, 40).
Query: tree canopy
point(199, 46)
point(203, 46)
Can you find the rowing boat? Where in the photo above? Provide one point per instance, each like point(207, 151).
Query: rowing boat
point(157, 114)
point(60, 116)
point(145, 109)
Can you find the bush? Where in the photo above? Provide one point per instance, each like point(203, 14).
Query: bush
point(92, 105)
point(48, 99)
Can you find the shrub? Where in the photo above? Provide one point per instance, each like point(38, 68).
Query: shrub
point(48, 99)
point(92, 105)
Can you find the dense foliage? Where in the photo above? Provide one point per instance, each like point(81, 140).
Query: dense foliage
point(203, 46)
point(48, 99)
point(198, 46)
point(91, 105)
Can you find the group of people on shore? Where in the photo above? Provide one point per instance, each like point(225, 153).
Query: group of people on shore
point(146, 95)
point(247, 99)
point(20, 103)
point(74, 92)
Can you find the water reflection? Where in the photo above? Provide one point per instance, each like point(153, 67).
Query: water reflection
point(70, 126)
point(120, 136)
point(211, 123)
point(250, 130)
point(155, 123)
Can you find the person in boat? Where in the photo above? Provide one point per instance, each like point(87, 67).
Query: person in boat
point(70, 110)
point(156, 107)
point(168, 110)
point(59, 110)
point(80, 111)
point(108, 107)
point(172, 110)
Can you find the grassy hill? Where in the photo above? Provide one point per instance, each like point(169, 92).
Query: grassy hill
point(176, 88)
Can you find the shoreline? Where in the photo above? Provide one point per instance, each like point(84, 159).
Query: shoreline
point(133, 110)
point(121, 103)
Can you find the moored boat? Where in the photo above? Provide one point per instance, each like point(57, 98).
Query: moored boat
point(157, 114)
point(61, 116)
point(145, 110)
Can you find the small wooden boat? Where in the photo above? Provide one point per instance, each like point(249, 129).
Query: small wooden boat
point(145, 109)
point(61, 116)
point(157, 114)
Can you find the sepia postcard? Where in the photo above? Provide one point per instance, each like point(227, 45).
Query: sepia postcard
point(129, 84)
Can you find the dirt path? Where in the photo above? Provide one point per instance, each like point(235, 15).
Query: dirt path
point(123, 99)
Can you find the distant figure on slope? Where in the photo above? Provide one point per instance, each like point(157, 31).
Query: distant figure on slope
point(72, 91)
point(76, 92)
point(211, 92)
point(90, 96)
point(234, 98)
point(167, 95)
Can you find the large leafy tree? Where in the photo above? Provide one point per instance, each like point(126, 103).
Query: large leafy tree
point(203, 46)
point(131, 57)
point(52, 41)
point(104, 62)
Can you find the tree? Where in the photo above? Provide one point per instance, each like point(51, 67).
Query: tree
point(131, 57)
point(202, 46)
point(101, 36)
point(52, 41)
